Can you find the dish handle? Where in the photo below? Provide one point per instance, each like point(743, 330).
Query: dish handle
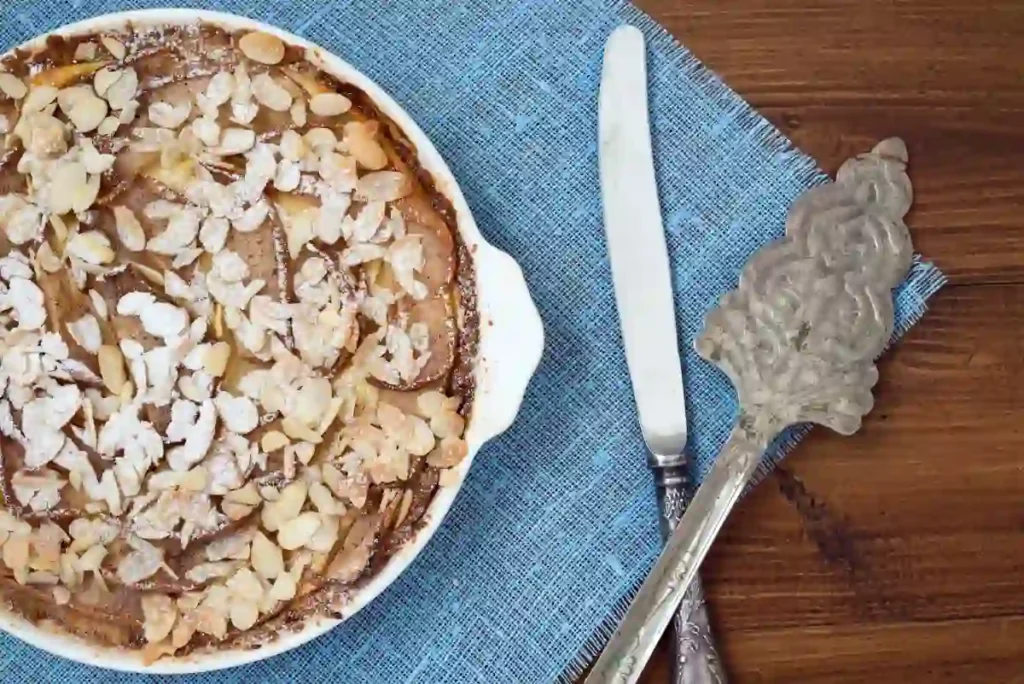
point(511, 341)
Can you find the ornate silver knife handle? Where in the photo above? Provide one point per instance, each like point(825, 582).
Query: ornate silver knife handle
point(798, 339)
point(694, 658)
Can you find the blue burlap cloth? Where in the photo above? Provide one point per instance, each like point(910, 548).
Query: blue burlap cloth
point(556, 524)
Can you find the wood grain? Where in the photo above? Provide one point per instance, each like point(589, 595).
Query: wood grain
point(896, 555)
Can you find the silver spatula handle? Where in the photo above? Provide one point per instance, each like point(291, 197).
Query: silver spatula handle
point(655, 605)
point(694, 658)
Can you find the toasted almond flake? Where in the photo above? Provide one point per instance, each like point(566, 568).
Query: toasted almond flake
point(322, 499)
point(151, 653)
point(273, 440)
point(207, 130)
point(129, 230)
point(298, 112)
point(270, 93)
point(329, 104)
point(238, 413)
point(92, 558)
point(320, 140)
point(292, 498)
point(39, 98)
point(215, 359)
point(112, 372)
point(298, 430)
point(262, 47)
point(326, 534)
point(383, 186)
point(244, 613)
point(246, 495)
point(105, 78)
point(267, 559)
point(304, 452)
point(235, 511)
point(108, 126)
point(167, 115)
point(295, 533)
point(284, 588)
point(115, 47)
point(99, 304)
point(121, 93)
point(236, 141)
point(447, 424)
point(92, 247)
point(194, 480)
point(361, 144)
point(86, 332)
point(88, 113)
point(12, 86)
point(449, 453)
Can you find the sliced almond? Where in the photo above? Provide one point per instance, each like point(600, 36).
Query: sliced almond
point(215, 359)
point(92, 247)
point(236, 141)
point(298, 112)
point(247, 495)
point(105, 78)
point(297, 532)
point(298, 430)
point(361, 143)
point(284, 588)
point(273, 440)
point(449, 453)
point(270, 93)
point(159, 614)
point(194, 480)
point(112, 371)
point(39, 97)
point(267, 558)
point(12, 86)
point(88, 113)
point(329, 104)
point(262, 47)
point(115, 47)
point(235, 511)
point(129, 230)
point(292, 498)
point(108, 126)
point(322, 499)
point(244, 613)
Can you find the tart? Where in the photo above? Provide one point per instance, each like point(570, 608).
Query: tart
point(238, 337)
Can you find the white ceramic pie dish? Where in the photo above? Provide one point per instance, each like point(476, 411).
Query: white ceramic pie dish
point(511, 343)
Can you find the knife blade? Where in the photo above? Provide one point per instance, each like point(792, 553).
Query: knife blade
point(643, 293)
point(636, 245)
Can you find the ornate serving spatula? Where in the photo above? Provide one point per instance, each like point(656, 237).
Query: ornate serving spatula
point(798, 338)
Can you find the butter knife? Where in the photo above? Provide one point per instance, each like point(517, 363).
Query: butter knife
point(643, 293)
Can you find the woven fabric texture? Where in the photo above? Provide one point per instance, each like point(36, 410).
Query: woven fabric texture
point(556, 524)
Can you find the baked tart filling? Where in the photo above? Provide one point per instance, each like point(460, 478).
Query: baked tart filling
point(237, 328)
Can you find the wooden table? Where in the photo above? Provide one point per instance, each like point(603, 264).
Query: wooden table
point(896, 555)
